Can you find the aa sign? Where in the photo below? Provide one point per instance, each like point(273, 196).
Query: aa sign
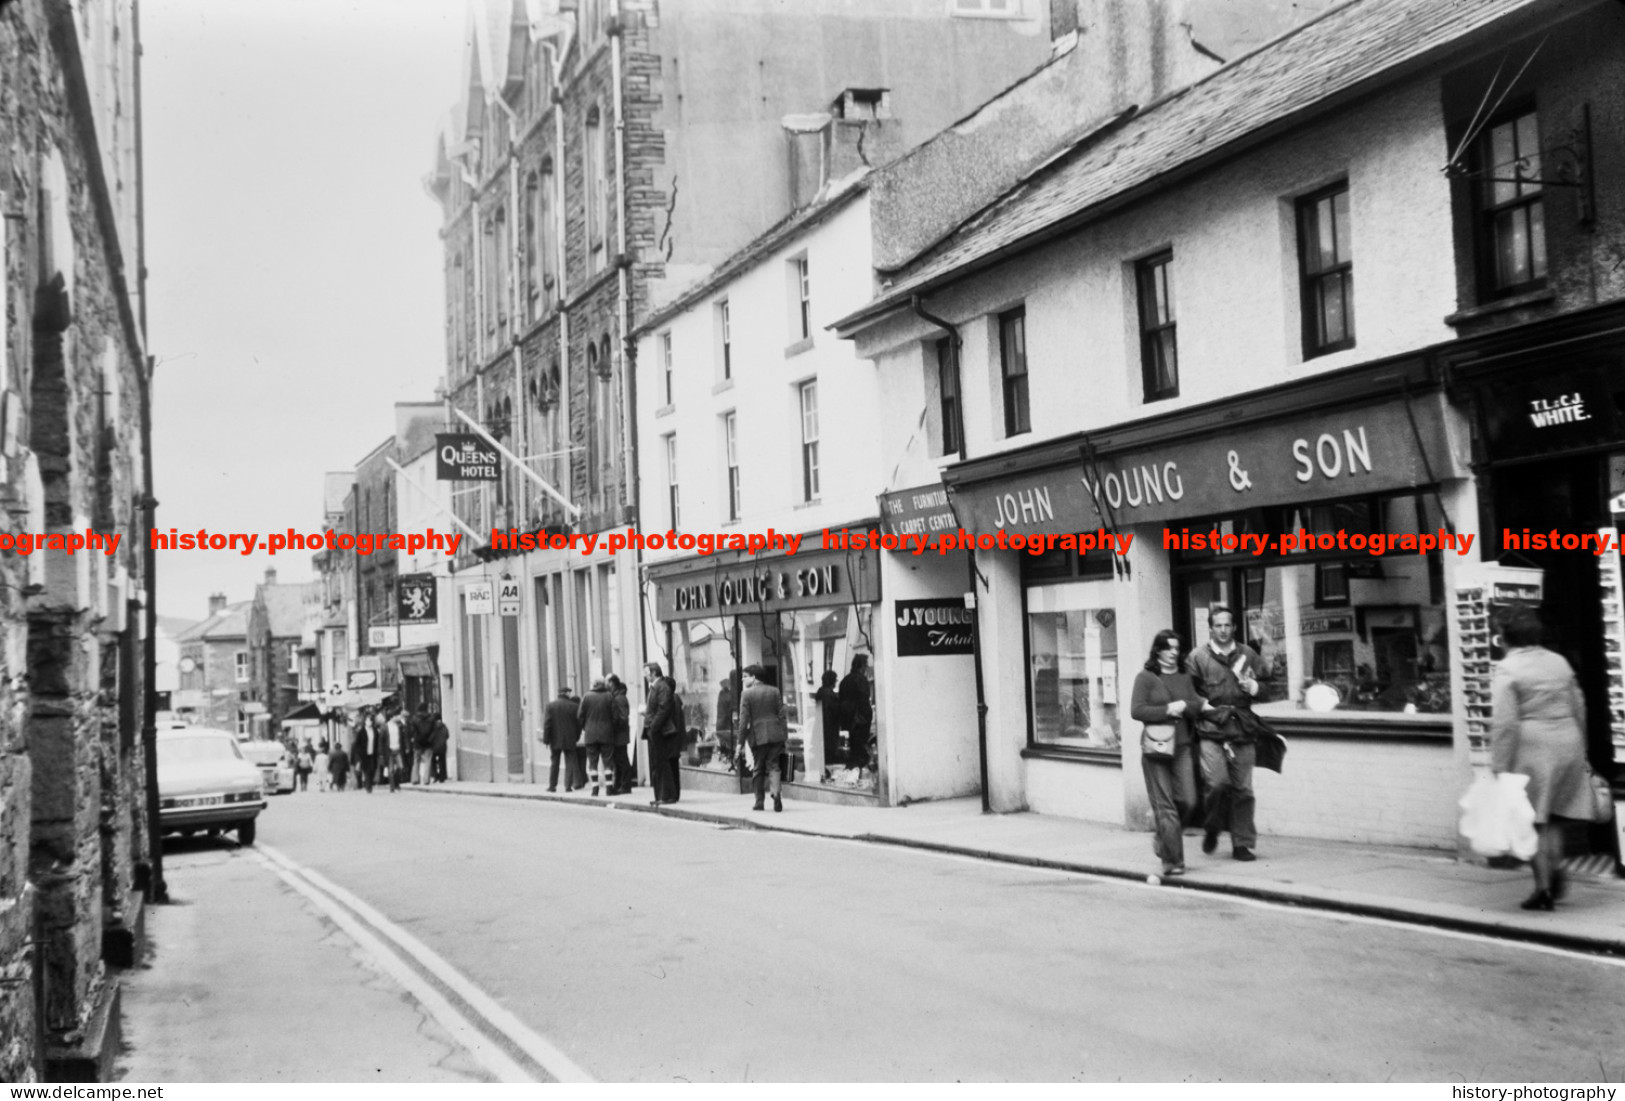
point(508, 597)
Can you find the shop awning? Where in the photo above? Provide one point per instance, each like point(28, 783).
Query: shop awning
point(305, 712)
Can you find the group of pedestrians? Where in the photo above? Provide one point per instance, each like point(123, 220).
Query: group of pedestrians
point(590, 736)
point(1197, 710)
point(391, 746)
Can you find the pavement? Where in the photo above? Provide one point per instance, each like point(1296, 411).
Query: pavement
point(1416, 886)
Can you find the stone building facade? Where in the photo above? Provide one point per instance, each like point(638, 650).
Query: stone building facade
point(75, 853)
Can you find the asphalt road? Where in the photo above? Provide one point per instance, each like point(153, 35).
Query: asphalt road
point(652, 949)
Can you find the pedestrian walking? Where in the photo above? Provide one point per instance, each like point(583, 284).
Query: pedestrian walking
point(395, 743)
point(762, 723)
point(439, 739)
point(1225, 673)
point(324, 780)
point(423, 747)
point(561, 730)
point(596, 714)
point(1165, 700)
point(1537, 729)
point(304, 763)
point(338, 765)
point(364, 750)
point(625, 775)
point(659, 719)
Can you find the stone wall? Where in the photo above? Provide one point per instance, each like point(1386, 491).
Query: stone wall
point(72, 841)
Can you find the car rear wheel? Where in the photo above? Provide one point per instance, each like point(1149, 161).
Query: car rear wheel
point(245, 832)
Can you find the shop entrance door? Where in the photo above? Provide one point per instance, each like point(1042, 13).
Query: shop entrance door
point(1569, 496)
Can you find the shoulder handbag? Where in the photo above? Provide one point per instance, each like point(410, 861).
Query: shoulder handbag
point(1157, 741)
point(1602, 798)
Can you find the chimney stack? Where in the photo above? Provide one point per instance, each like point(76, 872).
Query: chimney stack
point(270, 575)
point(217, 603)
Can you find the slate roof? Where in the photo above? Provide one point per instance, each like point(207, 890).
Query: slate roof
point(232, 623)
point(1351, 45)
point(285, 607)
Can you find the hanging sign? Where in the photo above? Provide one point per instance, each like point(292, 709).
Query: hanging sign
point(415, 598)
point(465, 457)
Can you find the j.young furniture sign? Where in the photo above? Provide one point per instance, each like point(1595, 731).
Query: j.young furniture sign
point(929, 628)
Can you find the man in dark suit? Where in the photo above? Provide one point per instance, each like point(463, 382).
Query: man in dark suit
point(561, 730)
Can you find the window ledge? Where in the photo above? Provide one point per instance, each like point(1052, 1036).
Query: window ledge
point(725, 384)
point(803, 345)
point(1111, 757)
point(814, 503)
point(1363, 725)
point(665, 410)
point(1501, 305)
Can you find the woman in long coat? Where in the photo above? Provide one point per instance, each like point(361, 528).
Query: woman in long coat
point(1164, 693)
point(1537, 730)
point(762, 721)
point(597, 715)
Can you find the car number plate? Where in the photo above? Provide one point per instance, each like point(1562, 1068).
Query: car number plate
point(201, 801)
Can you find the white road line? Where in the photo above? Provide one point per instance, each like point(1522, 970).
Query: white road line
point(493, 1058)
point(546, 1054)
point(1307, 910)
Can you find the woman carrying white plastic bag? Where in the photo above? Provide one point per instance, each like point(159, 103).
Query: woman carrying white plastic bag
point(1538, 730)
point(1496, 818)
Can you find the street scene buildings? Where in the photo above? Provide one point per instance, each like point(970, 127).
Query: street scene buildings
point(925, 361)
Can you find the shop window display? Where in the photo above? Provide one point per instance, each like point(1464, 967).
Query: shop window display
point(1339, 630)
point(1072, 665)
point(796, 648)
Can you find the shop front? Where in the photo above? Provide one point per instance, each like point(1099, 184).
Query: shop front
point(810, 620)
point(1329, 518)
point(1548, 404)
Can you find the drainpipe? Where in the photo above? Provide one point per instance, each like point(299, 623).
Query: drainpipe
point(623, 262)
point(149, 644)
point(954, 345)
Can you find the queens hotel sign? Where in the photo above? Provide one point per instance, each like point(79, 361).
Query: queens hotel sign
point(1364, 450)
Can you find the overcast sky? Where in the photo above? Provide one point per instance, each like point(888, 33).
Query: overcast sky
point(293, 255)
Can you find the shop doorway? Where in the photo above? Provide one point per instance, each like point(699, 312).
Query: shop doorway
point(1566, 495)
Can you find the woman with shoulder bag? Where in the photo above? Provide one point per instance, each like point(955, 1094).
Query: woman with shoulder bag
point(1166, 701)
point(1537, 729)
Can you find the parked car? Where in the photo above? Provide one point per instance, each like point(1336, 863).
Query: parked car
point(204, 783)
point(274, 764)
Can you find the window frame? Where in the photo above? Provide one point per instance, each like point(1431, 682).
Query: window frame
point(1014, 386)
point(1152, 327)
point(730, 460)
point(725, 352)
point(239, 667)
point(808, 416)
point(803, 292)
point(1312, 282)
point(673, 498)
point(666, 367)
point(1486, 211)
point(948, 402)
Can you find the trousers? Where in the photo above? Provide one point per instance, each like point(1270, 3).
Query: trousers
point(767, 766)
point(574, 775)
point(1229, 778)
point(1171, 786)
